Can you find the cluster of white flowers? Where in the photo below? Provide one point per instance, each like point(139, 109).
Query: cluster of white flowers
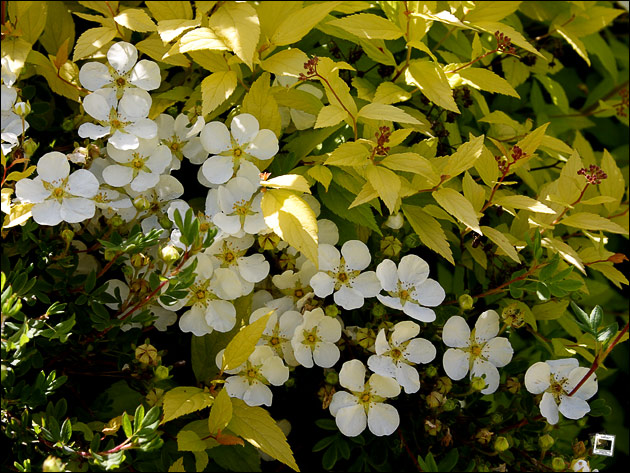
point(12, 124)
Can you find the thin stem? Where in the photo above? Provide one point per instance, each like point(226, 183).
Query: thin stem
point(472, 62)
point(354, 120)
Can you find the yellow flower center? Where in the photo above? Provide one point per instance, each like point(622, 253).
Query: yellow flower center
point(57, 192)
point(137, 163)
point(238, 153)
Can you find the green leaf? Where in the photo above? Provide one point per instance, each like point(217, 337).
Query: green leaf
point(220, 413)
point(368, 26)
point(458, 206)
point(380, 111)
point(431, 80)
point(386, 183)
point(66, 431)
point(189, 441)
point(449, 461)
point(257, 427)
point(595, 317)
point(429, 230)
point(126, 425)
point(216, 89)
point(487, 80)
point(183, 400)
point(606, 334)
point(242, 345)
point(501, 241)
point(550, 310)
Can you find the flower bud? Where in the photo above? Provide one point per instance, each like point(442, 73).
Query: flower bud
point(444, 384)
point(431, 371)
point(432, 426)
point(379, 310)
point(483, 436)
point(435, 399)
point(116, 221)
point(155, 397)
point(30, 146)
point(546, 442)
point(390, 246)
point(161, 372)
point(332, 377)
point(141, 203)
point(331, 310)
point(366, 337)
point(478, 383)
point(513, 316)
point(450, 405)
point(53, 463)
point(147, 355)
point(22, 108)
point(465, 301)
point(412, 240)
point(268, 241)
point(395, 221)
point(139, 260)
point(165, 222)
point(169, 254)
point(579, 449)
point(558, 464)
point(501, 444)
point(513, 385)
point(67, 235)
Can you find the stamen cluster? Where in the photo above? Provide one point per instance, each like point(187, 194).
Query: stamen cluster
point(594, 174)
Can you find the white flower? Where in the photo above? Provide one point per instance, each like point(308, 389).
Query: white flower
point(125, 119)
point(246, 141)
point(58, 195)
point(111, 199)
point(302, 120)
point(261, 368)
point(158, 200)
point(279, 330)
point(396, 357)
point(481, 350)
point(409, 288)
point(296, 284)
point(341, 273)
point(11, 124)
point(236, 207)
point(140, 168)
point(581, 465)
point(123, 72)
point(181, 139)
point(363, 405)
point(314, 340)
point(556, 379)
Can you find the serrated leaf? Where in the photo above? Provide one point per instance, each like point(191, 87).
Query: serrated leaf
point(216, 89)
point(189, 441)
point(388, 93)
point(321, 174)
point(292, 219)
point(380, 111)
point(523, 202)
point(458, 206)
point(92, 40)
point(260, 103)
point(465, 157)
point(183, 400)
point(368, 26)
point(288, 62)
point(169, 10)
point(350, 153)
point(431, 80)
point(220, 413)
point(242, 345)
point(429, 230)
point(411, 162)
point(501, 241)
point(199, 39)
point(298, 23)
point(533, 140)
point(550, 310)
point(590, 221)
point(386, 183)
point(330, 115)
point(256, 426)
point(484, 79)
point(237, 25)
point(177, 466)
point(293, 182)
point(136, 20)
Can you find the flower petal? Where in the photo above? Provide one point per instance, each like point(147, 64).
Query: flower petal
point(340, 400)
point(77, 209)
point(47, 213)
point(387, 274)
point(413, 269)
point(351, 421)
point(53, 166)
point(326, 354)
point(31, 191)
point(384, 386)
point(122, 56)
point(146, 75)
point(274, 370)
point(221, 315)
point(264, 146)
point(145, 181)
point(455, 363)
point(549, 408)
point(561, 369)
point(94, 75)
point(123, 141)
point(489, 372)
point(423, 314)
point(408, 377)
point(117, 176)
point(328, 258)
point(498, 351)
point(456, 332)
point(352, 375)
point(404, 331)
point(215, 138)
point(382, 365)
point(537, 377)
point(194, 322)
point(588, 389)
point(487, 326)
point(92, 131)
point(383, 419)
point(97, 106)
point(82, 183)
point(218, 169)
point(258, 394)
point(429, 293)
point(356, 254)
point(348, 298)
point(420, 350)
point(367, 284)
point(323, 285)
point(134, 105)
point(573, 407)
point(244, 128)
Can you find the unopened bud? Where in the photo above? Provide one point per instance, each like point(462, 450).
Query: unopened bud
point(444, 384)
point(379, 310)
point(141, 203)
point(161, 372)
point(165, 222)
point(431, 371)
point(116, 221)
point(546, 442)
point(412, 240)
point(67, 235)
point(432, 426)
point(501, 444)
point(450, 405)
point(478, 383)
point(390, 246)
point(332, 377)
point(513, 385)
point(169, 254)
point(484, 436)
point(558, 464)
point(30, 146)
point(395, 221)
point(331, 310)
point(147, 355)
point(22, 108)
point(579, 449)
point(465, 301)
point(140, 260)
point(496, 418)
point(52, 464)
point(366, 337)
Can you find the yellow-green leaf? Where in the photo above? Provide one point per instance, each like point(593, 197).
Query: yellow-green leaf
point(368, 26)
point(30, 19)
point(590, 221)
point(381, 111)
point(386, 183)
point(59, 28)
point(177, 466)
point(216, 88)
point(92, 40)
point(242, 345)
point(171, 29)
point(550, 310)
point(330, 115)
point(256, 426)
point(458, 206)
point(18, 175)
point(574, 42)
point(288, 62)
point(501, 241)
point(297, 99)
point(429, 230)
point(516, 37)
point(431, 80)
point(155, 48)
point(465, 157)
point(474, 192)
point(293, 182)
point(183, 400)
point(238, 26)
point(189, 441)
point(136, 20)
point(321, 174)
point(170, 10)
point(260, 103)
point(614, 185)
point(292, 219)
point(388, 93)
point(533, 140)
point(220, 413)
point(523, 202)
point(200, 39)
point(298, 23)
point(487, 80)
point(491, 11)
point(411, 162)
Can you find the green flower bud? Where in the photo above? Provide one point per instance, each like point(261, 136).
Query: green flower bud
point(478, 383)
point(139, 260)
point(450, 405)
point(68, 124)
point(579, 449)
point(53, 464)
point(169, 254)
point(141, 203)
point(116, 221)
point(147, 355)
point(165, 222)
point(501, 444)
point(412, 240)
point(546, 442)
point(366, 337)
point(444, 384)
point(332, 377)
point(22, 108)
point(67, 235)
point(431, 371)
point(290, 382)
point(161, 372)
point(466, 302)
point(484, 436)
point(30, 146)
point(432, 426)
point(331, 310)
point(379, 310)
point(558, 464)
point(390, 246)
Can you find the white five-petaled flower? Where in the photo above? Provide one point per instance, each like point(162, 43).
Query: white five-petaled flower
point(556, 379)
point(251, 378)
point(280, 328)
point(58, 195)
point(409, 288)
point(396, 357)
point(479, 351)
point(181, 139)
point(124, 71)
point(246, 141)
point(125, 119)
point(314, 340)
point(341, 273)
point(140, 168)
point(363, 405)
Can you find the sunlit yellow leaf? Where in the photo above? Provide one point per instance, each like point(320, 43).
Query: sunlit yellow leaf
point(171, 29)
point(429, 230)
point(458, 206)
point(243, 344)
point(381, 111)
point(200, 39)
point(136, 20)
point(220, 413)
point(298, 23)
point(330, 115)
point(590, 221)
point(368, 26)
point(501, 241)
point(216, 88)
point(523, 202)
point(411, 162)
point(465, 157)
point(293, 182)
point(288, 62)
point(321, 174)
point(386, 183)
point(237, 25)
point(177, 466)
point(92, 40)
point(261, 103)
point(431, 80)
point(183, 400)
point(484, 79)
point(170, 10)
